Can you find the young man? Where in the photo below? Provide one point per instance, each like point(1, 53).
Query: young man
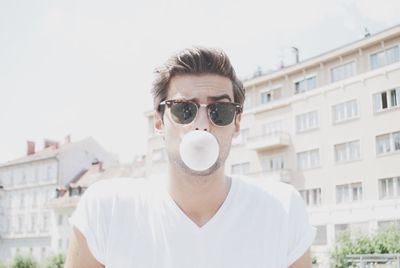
point(197, 218)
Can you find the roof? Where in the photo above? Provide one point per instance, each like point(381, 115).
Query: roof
point(50, 152)
point(95, 173)
point(326, 56)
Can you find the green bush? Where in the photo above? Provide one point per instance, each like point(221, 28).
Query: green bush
point(2, 265)
point(383, 242)
point(24, 262)
point(56, 261)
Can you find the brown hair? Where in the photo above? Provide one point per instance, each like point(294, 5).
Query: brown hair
point(196, 60)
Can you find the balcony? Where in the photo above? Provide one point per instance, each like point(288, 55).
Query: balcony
point(282, 175)
point(268, 141)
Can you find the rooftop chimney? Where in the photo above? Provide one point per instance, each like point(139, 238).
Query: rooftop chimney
point(49, 143)
point(295, 54)
point(30, 148)
point(366, 33)
point(67, 139)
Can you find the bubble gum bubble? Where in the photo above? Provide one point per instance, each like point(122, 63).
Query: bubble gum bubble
point(199, 150)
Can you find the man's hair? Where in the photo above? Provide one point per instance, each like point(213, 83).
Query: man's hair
point(195, 61)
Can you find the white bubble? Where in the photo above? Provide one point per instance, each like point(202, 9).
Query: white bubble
point(199, 150)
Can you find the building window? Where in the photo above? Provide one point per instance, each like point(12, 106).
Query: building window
point(270, 95)
point(343, 71)
point(266, 97)
point(347, 193)
point(60, 219)
point(345, 111)
point(75, 191)
point(312, 197)
point(21, 200)
point(386, 99)
point(305, 84)
point(33, 223)
point(321, 236)
point(348, 151)
point(59, 244)
point(308, 159)
point(34, 199)
point(242, 138)
point(382, 225)
point(389, 188)
point(307, 121)
point(385, 57)
point(388, 143)
point(271, 128)
point(272, 163)
point(241, 169)
point(353, 229)
point(43, 253)
point(45, 223)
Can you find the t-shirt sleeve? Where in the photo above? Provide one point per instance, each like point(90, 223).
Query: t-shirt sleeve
point(91, 217)
point(301, 232)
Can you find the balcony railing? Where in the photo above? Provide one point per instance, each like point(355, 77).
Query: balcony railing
point(268, 141)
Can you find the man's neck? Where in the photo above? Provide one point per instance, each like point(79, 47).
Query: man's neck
point(199, 197)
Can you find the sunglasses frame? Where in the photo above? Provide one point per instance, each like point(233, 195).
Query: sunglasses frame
point(169, 103)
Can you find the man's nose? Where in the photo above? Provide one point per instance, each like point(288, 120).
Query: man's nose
point(202, 122)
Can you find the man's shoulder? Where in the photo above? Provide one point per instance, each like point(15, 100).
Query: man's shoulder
point(118, 183)
point(117, 186)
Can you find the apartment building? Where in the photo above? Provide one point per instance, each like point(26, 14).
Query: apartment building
point(330, 126)
point(29, 182)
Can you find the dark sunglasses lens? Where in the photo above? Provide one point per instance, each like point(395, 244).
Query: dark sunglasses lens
point(183, 112)
point(222, 114)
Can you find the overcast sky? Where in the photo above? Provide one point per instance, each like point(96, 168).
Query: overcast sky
point(85, 68)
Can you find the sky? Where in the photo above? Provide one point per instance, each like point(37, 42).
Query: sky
point(85, 67)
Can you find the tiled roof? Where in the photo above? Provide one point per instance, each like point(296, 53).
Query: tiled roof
point(46, 153)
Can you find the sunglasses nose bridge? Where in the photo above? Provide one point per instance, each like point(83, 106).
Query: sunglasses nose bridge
point(202, 121)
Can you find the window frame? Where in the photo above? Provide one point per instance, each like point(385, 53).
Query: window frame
point(308, 166)
point(348, 152)
point(382, 49)
point(304, 78)
point(345, 111)
point(342, 64)
point(308, 128)
point(271, 91)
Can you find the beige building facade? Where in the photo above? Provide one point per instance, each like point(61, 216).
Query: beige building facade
point(330, 126)
point(29, 182)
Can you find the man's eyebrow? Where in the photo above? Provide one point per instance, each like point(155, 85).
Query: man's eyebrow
point(220, 97)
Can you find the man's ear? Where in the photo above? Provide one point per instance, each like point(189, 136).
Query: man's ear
point(237, 125)
point(158, 123)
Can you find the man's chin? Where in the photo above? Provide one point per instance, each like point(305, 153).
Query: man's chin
point(196, 173)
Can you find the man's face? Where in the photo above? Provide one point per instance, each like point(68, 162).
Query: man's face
point(202, 89)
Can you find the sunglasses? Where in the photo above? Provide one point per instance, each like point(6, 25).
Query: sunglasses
point(220, 113)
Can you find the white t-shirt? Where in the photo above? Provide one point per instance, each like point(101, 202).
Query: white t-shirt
point(135, 223)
